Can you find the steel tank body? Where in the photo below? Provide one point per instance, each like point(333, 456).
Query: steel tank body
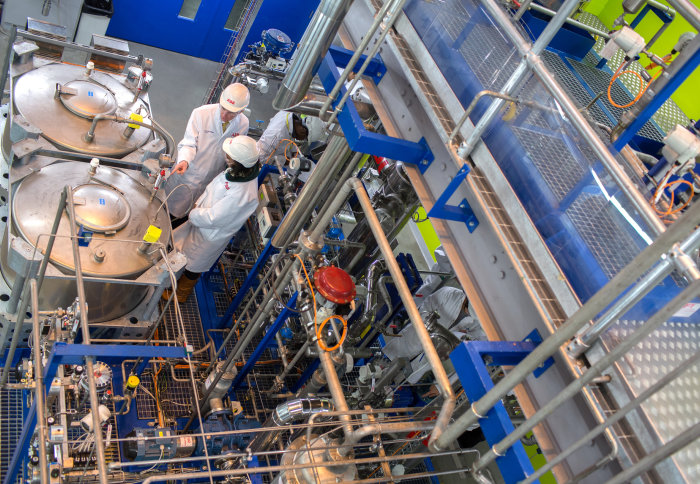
point(115, 207)
point(64, 118)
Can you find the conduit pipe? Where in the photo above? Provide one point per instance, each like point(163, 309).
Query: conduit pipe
point(605, 296)
point(311, 48)
point(39, 388)
point(443, 382)
point(328, 165)
point(574, 387)
point(285, 414)
point(687, 10)
point(396, 10)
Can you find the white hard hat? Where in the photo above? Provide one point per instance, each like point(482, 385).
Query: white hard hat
point(235, 97)
point(242, 149)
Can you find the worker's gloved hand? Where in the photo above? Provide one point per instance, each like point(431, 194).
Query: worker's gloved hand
point(181, 167)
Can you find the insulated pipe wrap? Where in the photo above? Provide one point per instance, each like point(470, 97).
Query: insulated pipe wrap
point(313, 46)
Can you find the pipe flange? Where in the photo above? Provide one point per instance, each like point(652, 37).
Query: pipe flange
point(307, 243)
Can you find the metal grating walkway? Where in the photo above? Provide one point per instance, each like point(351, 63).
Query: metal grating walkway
point(11, 421)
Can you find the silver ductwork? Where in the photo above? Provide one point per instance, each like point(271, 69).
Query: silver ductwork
point(287, 413)
point(312, 47)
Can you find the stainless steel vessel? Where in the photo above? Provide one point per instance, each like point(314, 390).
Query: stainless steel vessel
point(61, 100)
point(114, 209)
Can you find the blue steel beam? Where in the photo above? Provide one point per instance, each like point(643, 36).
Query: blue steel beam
point(265, 342)
point(250, 281)
point(361, 140)
point(375, 69)
point(468, 360)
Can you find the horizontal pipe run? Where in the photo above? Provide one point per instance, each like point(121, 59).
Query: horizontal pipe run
point(266, 469)
point(606, 295)
point(574, 387)
point(657, 274)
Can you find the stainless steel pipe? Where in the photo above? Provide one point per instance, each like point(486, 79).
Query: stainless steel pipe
point(85, 329)
point(688, 11)
point(614, 418)
point(332, 160)
point(685, 296)
point(39, 387)
point(311, 48)
point(606, 295)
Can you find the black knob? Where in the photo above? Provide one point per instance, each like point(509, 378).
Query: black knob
point(55, 472)
point(35, 461)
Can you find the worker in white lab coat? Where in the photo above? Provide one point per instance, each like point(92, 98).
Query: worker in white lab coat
point(227, 202)
point(199, 155)
point(282, 128)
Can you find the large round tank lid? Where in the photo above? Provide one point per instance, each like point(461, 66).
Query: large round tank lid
point(89, 100)
point(100, 208)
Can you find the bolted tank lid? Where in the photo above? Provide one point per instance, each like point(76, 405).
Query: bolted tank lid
point(100, 208)
point(113, 211)
point(89, 100)
point(334, 284)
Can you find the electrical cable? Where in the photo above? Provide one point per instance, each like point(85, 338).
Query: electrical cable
point(671, 210)
point(162, 453)
point(317, 330)
point(641, 90)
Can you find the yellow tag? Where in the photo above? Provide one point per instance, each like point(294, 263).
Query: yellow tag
point(152, 234)
point(132, 382)
point(369, 326)
point(136, 117)
point(160, 433)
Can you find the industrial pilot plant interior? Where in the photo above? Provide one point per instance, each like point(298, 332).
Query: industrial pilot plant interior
point(329, 241)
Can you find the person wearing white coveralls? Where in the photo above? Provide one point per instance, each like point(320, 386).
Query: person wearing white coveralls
point(283, 126)
point(199, 155)
point(227, 202)
point(453, 307)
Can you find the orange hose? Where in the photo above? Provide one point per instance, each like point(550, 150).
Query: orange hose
point(639, 94)
point(671, 211)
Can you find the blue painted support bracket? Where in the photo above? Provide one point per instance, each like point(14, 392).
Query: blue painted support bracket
point(361, 140)
point(74, 354)
point(459, 213)
point(468, 360)
point(376, 68)
point(660, 98)
point(250, 281)
point(265, 342)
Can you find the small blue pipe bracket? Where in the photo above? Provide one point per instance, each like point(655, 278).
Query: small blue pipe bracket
point(458, 213)
point(375, 69)
point(357, 136)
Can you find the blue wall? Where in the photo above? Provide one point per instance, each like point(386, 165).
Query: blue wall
point(277, 14)
point(157, 23)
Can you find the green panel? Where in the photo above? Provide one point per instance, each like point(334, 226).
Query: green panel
point(686, 95)
point(428, 232)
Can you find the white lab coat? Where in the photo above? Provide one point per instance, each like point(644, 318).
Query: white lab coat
point(201, 148)
point(447, 301)
point(220, 212)
point(280, 127)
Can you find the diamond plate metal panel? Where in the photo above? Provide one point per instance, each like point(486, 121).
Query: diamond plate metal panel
point(677, 407)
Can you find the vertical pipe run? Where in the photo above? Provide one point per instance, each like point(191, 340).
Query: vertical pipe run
point(442, 381)
point(39, 388)
point(311, 48)
point(89, 360)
